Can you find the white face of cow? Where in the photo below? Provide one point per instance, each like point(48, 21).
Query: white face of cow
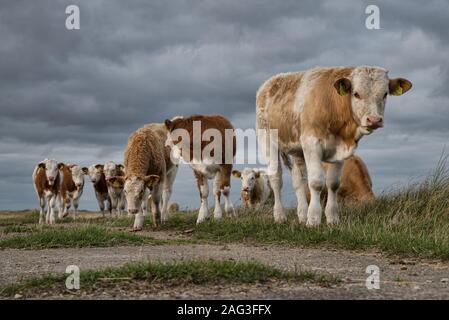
point(51, 170)
point(110, 169)
point(369, 88)
point(248, 177)
point(94, 172)
point(77, 176)
point(135, 189)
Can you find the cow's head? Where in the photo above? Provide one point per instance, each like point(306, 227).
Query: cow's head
point(248, 177)
point(369, 88)
point(77, 175)
point(110, 169)
point(135, 190)
point(51, 168)
point(94, 172)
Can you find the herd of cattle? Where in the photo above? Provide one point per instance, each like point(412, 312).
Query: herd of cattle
point(319, 114)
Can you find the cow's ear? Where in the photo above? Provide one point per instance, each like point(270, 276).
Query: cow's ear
point(168, 124)
point(99, 167)
point(257, 174)
point(85, 170)
point(61, 165)
point(399, 86)
point(41, 165)
point(343, 86)
point(151, 180)
point(236, 173)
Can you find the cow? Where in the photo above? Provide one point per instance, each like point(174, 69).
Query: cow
point(98, 179)
point(206, 165)
point(115, 186)
point(71, 188)
point(255, 190)
point(149, 181)
point(319, 115)
point(47, 182)
point(173, 207)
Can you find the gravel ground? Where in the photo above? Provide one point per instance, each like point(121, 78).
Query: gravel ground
point(400, 278)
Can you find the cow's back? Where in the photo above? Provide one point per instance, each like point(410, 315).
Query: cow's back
point(275, 102)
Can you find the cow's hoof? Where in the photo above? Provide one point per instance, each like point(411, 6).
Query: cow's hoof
point(136, 229)
point(280, 218)
point(313, 222)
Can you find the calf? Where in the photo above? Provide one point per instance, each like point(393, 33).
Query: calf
point(173, 207)
point(47, 182)
point(71, 188)
point(98, 179)
point(320, 115)
point(145, 168)
point(355, 180)
point(205, 165)
point(115, 186)
point(255, 190)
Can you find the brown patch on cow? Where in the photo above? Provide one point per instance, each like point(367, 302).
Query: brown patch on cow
point(41, 183)
point(101, 185)
point(328, 113)
point(67, 184)
point(215, 121)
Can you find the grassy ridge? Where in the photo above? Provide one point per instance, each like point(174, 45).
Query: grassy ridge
point(169, 274)
point(76, 237)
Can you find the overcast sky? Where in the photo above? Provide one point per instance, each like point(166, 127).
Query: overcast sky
point(76, 95)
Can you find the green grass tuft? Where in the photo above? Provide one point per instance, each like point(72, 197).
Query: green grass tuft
point(76, 237)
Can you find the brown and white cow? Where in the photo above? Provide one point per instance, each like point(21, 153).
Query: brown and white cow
point(190, 139)
point(320, 115)
point(255, 190)
point(115, 186)
point(71, 188)
point(98, 179)
point(47, 182)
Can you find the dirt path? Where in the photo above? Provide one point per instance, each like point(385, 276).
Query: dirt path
point(400, 279)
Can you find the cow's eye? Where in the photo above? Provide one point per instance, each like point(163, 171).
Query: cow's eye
point(385, 95)
point(356, 94)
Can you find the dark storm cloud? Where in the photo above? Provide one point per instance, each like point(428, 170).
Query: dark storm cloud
point(76, 95)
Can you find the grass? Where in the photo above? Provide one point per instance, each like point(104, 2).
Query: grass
point(413, 222)
point(181, 273)
point(77, 237)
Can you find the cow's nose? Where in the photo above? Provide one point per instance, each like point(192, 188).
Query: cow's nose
point(132, 211)
point(245, 189)
point(51, 178)
point(374, 122)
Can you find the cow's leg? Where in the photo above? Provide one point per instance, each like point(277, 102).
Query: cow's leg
point(332, 183)
point(166, 193)
point(155, 204)
point(100, 202)
point(138, 221)
point(203, 187)
point(122, 203)
point(276, 184)
point(51, 209)
point(114, 203)
point(313, 156)
point(76, 202)
point(225, 187)
point(299, 181)
point(145, 203)
point(218, 213)
point(109, 207)
point(42, 202)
